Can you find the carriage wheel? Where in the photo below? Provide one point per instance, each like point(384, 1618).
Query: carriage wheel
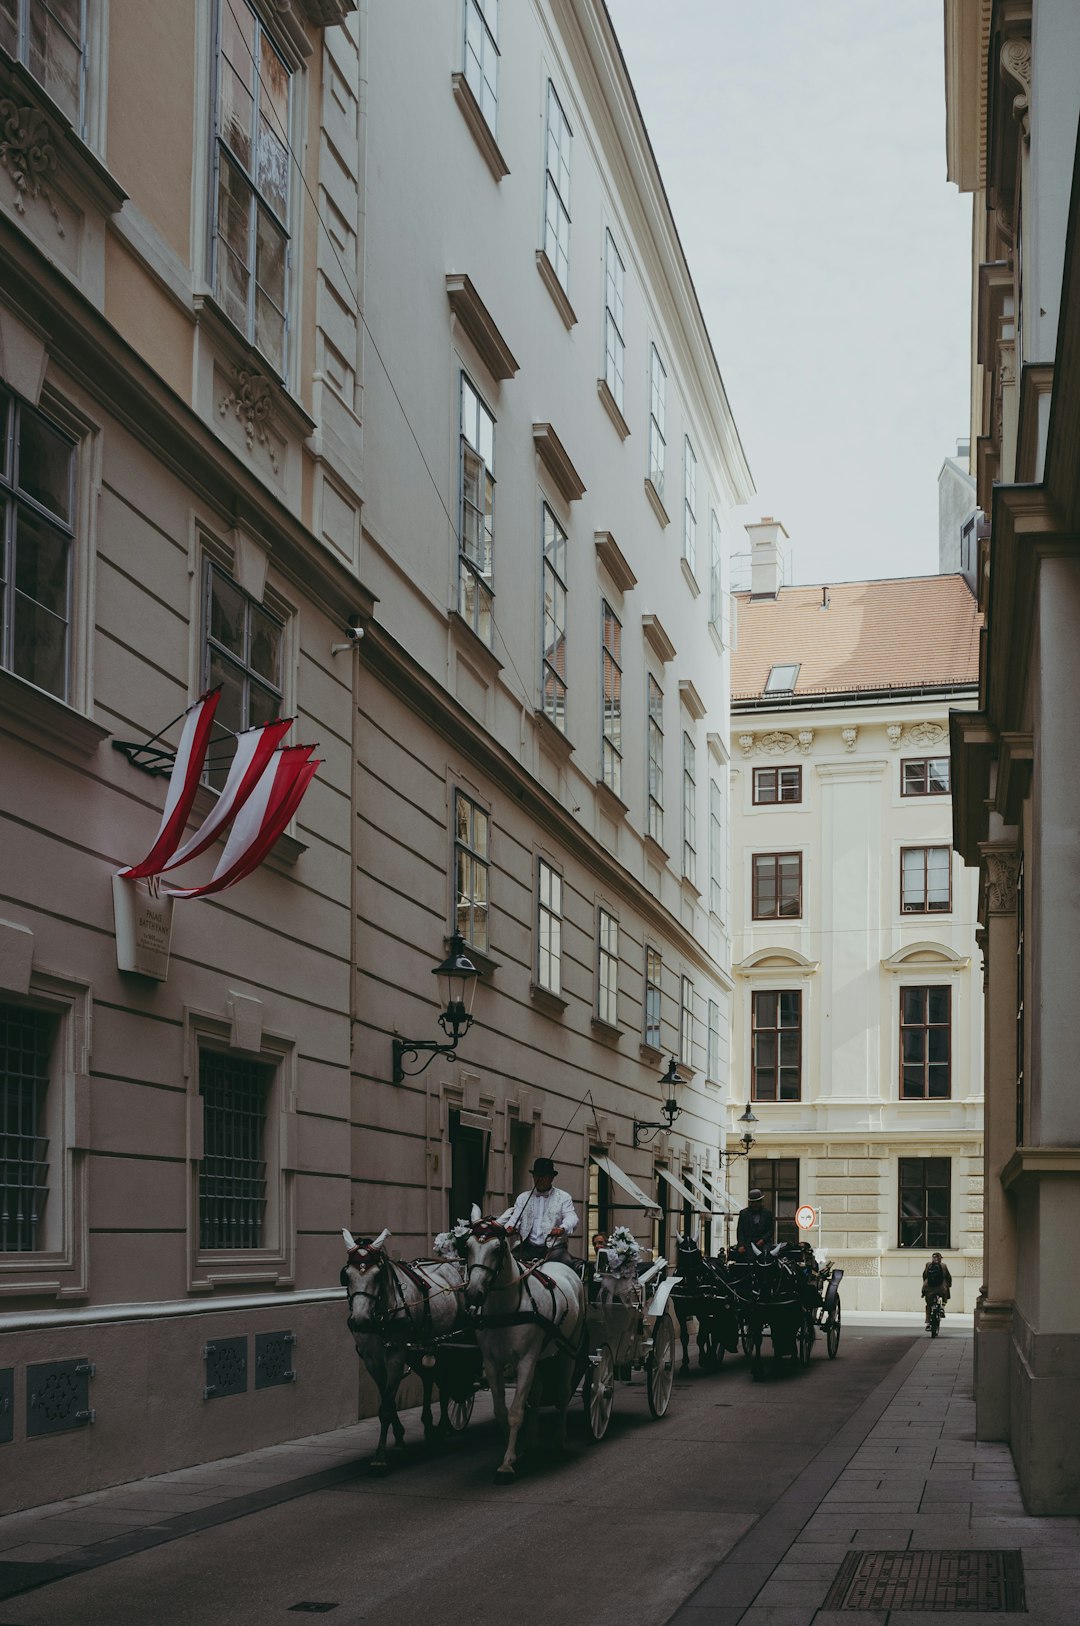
point(746, 1338)
point(458, 1413)
point(832, 1331)
point(660, 1367)
point(597, 1392)
point(805, 1341)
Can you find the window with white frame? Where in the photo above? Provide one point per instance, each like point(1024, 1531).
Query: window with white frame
point(236, 1095)
point(611, 686)
point(553, 676)
point(716, 601)
point(27, 1040)
point(716, 850)
point(37, 514)
point(925, 880)
point(472, 869)
point(252, 182)
point(689, 504)
point(607, 968)
point(689, 808)
point(657, 419)
point(548, 927)
point(476, 550)
point(713, 1064)
point(49, 38)
point(557, 188)
point(654, 972)
point(614, 343)
point(686, 1022)
point(482, 56)
point(656, 759)
point(243, 654)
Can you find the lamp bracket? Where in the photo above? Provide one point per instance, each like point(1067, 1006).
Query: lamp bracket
point(412, 1049)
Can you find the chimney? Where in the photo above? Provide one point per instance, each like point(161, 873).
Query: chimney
point(766, 565)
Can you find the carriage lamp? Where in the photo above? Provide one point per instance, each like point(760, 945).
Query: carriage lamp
point(746, 1140)
point(644, 1132)
point(457, 985)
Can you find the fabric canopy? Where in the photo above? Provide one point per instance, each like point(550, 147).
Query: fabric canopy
point(695, 1202)
point(718, 1196)
point(621, 1178)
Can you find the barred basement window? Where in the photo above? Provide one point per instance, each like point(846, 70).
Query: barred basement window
point(26, 1039)
point(232, 1175)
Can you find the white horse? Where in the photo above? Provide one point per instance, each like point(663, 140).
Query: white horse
point(392, 1305)
point(524, 1317)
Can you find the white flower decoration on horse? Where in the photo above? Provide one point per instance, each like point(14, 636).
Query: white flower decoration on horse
point(451, 1244)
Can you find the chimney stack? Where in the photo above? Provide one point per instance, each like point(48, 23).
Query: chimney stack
point(766, 565)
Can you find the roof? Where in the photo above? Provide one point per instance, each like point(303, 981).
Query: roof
point(919, 632)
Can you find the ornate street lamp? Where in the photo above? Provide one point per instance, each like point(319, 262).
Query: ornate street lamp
point(746, 1141)
point(644, 1132)
point(457, 985)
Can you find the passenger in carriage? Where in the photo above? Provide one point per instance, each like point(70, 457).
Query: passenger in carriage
point(757, 1225)
point(542, 1213)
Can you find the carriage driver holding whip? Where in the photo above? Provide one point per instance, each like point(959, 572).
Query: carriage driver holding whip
point(542, 1213)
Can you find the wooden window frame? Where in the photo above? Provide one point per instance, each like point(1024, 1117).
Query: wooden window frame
point(779, 799)
point(926, 1027)
point(776, 1028)
point(926, 908)
point(777, 913)
point(924, 763)
point(767, 1174)
point(927, 1237)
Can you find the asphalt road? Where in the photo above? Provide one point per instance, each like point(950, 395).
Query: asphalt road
point(616, 1534)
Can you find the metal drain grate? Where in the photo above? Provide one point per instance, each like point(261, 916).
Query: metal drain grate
point(988, 1581)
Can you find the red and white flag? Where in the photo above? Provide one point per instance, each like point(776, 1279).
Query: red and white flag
point(183, 783)
point(254, 748)
point(261, 820)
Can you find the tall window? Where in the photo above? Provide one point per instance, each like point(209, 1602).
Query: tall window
point(656, 759)
point(713, 1063)
point(776, 1045)
point(777, 1178)
point(716, 851)
point(689, 504)
point(37, 511)
point(716, 599)
point(553, 677)
point(614, 320)
point(657, 419)
point(482, 55)
point(232, 1175)
point(244, 655)
point(549, 927)
point(925, 1202)
point(477, 534)
point(925, 880)
point(611, 680)
point(472, 862)
point(26, 1043)
point(49, 38)
point(777, 886)
point(777, 785)
point(924, 776)
point(251, 208)
point(597, 1199)
point(925, 1043)
point(469, 1151)
point(557, 188)
point(689, 808)
point(1021, 994)
point(653, 981)
point(686, 1022)
point(607, 968)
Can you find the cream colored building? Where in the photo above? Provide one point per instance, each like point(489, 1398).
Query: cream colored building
point(857, 1033)
point(314, 317)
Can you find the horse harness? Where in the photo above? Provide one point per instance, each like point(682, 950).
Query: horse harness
point(486, 1231)
point(361, 1258)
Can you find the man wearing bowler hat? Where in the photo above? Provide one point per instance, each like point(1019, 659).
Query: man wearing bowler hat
point(757, 1224)
point(543, 1212)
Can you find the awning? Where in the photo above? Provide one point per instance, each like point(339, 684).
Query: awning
point(687, 1196)
point(613, 1172)
point(718, 1196)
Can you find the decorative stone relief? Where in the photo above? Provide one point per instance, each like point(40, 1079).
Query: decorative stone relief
point(747, 743)
point(1016, 65)
point(28, 155)
point(1007, 363)
point(895, 732)
point(849, 736)
point(252, 400)
point(1002, 873)
point(777, 744)
point(806, 740)
point(926, 734)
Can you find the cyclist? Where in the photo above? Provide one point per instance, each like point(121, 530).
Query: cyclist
point(936, 1283)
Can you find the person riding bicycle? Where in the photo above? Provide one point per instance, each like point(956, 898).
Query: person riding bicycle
point(757, 1224)
point(936, 1283)
point(542, 1213)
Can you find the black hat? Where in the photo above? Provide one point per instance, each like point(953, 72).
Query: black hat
point(543, 1165)
point(756, 1196)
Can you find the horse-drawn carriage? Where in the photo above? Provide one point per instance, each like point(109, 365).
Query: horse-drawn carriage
point(783, 1293)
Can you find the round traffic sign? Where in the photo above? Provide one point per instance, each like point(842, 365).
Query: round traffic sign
point(805, 1217)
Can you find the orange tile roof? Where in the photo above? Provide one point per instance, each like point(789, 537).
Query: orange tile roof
point(918, 632)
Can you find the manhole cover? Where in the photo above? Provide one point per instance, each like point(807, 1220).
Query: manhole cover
point(989, 1581)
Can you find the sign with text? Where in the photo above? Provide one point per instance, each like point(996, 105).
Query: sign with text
point(143, 929)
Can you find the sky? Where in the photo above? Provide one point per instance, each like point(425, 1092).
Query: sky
point(802, 146)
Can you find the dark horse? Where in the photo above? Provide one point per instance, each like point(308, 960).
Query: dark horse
point(703, 1294)
point(774, 1294)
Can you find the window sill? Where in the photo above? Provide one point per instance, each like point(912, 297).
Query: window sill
point(612, 408)
point(479, 127)
point(461, 630)
point(552, 738)
point(551, 1003)
point(480, 958)
point(654, 850)
point(690, 887)
point(611, 803)
point(689, 577)
point(31, 712)
point(549, 278)
point(609, 1032)
point(657, 503)
point(651, 1053)
point(60, 139)
point(714, 634)
point(245, 358)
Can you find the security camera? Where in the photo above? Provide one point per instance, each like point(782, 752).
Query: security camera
point(353, 634)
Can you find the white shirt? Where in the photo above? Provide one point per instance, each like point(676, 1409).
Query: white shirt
point(535, 1214)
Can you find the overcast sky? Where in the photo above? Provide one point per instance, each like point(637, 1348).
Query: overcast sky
point(802, 145)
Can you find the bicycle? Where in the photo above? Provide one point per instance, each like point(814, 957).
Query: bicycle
point(935, 1311)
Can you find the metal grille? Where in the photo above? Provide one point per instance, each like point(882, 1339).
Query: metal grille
point(991, 1582)
point(25, 1046)
point(226, 1368)
point(232, 1175)
point(7, 1404)
point(273, 1359)
point(58, 1396)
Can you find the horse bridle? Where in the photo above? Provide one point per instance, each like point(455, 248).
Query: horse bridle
point(491, 1232)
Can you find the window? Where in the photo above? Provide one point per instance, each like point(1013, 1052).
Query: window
point(924, 776)
point(925, 880)
point(611, 680)
point(776, 1045)
point(773, 785)
point(469, 1148)
point(716, 851)
point(656, 760)
point(477, 533)
point(712, 1069)
point(251, 182)
point(653, 979)
point(557, 189)
point(1021, 988)
point(689, 808)
point(925, 1202)
point(660, 1220)
point(614, 343)
point(689, 504)
point(686, 1023)
point(607, 968)
point(553, 677)
point(37, 508)
point(657, 418)
point(49, 38)
point(232, 1175)
point(472, 861)
point(597, 1199)
point(482, 57)
point(782, 679)
point(925, 1043)
point(244, 655)
point(777, 886)
point(777, 1178)
point(549, 927)
point(716, 598)
point(26, 1045)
